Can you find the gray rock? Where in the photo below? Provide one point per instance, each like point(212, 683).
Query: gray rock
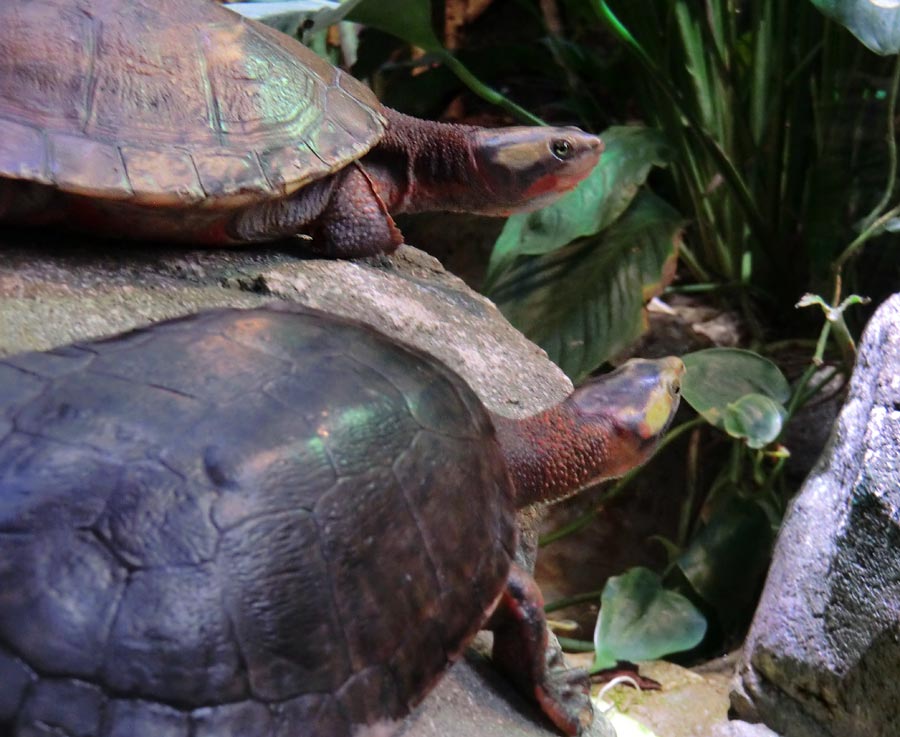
point(54, 293)
point(822, 656)
point(738, 728)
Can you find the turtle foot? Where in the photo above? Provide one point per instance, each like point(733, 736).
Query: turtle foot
point(565, 697)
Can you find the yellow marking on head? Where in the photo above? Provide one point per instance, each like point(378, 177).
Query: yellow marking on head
point(521, 156)
point(658, 411)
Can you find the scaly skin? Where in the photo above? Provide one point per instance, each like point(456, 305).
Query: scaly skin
point(607, 426)
point(421, 166)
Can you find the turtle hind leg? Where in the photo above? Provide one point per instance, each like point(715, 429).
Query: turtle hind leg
point(521, 652)
point(343, 213)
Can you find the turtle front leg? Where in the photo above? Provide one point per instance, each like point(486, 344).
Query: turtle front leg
point(343, 213)
point(521, 652)
point(356, 221)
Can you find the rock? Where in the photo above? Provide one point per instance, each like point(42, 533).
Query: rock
point(690, 702)
point(822, 654)
point(52, 293)
point(737, 728)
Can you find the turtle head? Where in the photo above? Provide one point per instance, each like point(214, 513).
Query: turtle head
point(632, 407)
point(606, 427)
point(525, 168)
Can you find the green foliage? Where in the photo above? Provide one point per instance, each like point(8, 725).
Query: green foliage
point(574, 277)
point(584, 302)
point(640, 620)
point(726, 560)
point(774, 158)
point(630, 152)
point(875, 23)
point(737, 391)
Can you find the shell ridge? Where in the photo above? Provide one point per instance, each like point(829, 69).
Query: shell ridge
point(275, 187)
point(332, 596)
point(214, 112)
point(417, 520)
point(450, 376)
point(90, 94)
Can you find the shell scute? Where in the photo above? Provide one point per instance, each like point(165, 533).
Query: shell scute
point(275, 580)
point(146, 88)
point(229, 174)
point(170, 172)
point(45, 63)
point(245, 718)
point(259, 89)
point(23, 152)
point(78, 164)
point(72, 707)
point(137, 523)
point(467, 583)
point(16, 678)
point(258, 114)
point(380, 538)
point(61, 471)
point(190, 633)
point(66, 631)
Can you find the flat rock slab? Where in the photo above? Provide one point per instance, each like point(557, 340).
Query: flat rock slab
point(55, 290)
point(822, 656)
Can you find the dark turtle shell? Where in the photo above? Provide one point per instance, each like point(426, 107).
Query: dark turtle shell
point(170, 102)
point(240, 524)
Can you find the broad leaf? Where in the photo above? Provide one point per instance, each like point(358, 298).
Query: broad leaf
point(874, 22)
point(756, 418)
point(406, 19)
point(640, 620)
point(630, 153)
point(584, 303)
point(728, 557)
point(718, 378)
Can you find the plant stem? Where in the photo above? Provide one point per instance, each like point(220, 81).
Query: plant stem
point(572, 600)
point(484, 91)
point(873, 222)
point(575, 646)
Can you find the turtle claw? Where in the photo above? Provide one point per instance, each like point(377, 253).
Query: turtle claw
point(565, 697)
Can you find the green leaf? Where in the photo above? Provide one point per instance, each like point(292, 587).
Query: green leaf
point(726, 560)
point(630, 153)
point(406, 19)
point(718, 378)
point(640, 620)
point(584, 303)
point(756, 418)
point(874, 22)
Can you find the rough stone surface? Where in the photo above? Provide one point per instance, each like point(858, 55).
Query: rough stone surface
point(53, 292)
point(737, 728)
point(821, 659)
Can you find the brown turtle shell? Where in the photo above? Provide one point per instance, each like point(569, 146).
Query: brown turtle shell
point(167, 102)
point(243, 524)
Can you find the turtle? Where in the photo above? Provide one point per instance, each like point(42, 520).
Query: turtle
point(276, 521)
point(182, 121)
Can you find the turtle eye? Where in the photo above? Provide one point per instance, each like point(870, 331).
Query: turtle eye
point(561, 149)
